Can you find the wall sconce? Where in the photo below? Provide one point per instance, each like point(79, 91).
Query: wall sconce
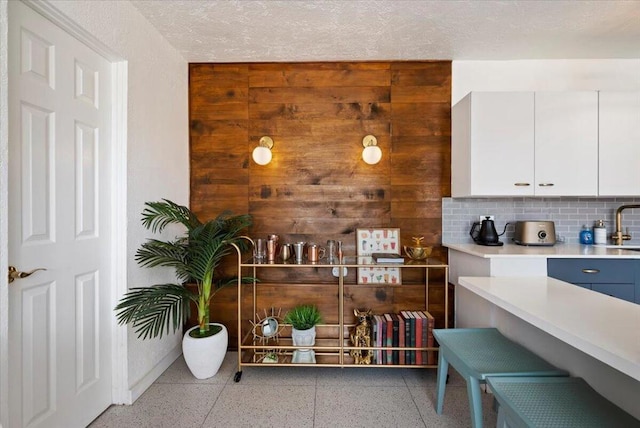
point(371, 153)
point(262, 154)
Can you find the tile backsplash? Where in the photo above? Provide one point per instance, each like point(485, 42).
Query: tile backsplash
point(568, 214)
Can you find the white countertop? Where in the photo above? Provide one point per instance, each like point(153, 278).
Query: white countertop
point(603, 327)
point(557, 251)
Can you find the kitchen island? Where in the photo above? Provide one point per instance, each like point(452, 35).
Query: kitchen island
point(591, 335)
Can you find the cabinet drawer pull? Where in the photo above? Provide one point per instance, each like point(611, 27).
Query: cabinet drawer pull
point(545, 184)
point(591, 270)
point(522, 184)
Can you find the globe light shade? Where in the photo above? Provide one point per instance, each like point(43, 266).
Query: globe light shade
point(261, 155)
point(372, 155)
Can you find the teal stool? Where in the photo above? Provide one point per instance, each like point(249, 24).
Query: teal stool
point(555, 402)
point(477, 353)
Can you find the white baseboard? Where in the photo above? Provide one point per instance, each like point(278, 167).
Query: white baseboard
point(141, 386)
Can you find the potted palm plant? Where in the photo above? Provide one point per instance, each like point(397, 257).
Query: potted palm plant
point(195, 255)
point(303, 320)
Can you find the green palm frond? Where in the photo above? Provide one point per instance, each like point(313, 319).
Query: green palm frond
point(159, 215)
point(153, 310)
point(195, 256)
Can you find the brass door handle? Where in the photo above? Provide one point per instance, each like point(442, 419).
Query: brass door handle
point(521, 184)
point(16, 274)
point(545, 184)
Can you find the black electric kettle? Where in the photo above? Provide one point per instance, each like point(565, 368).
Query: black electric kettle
point(485, 233)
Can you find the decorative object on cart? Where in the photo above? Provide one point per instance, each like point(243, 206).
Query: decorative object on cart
point(286, 252)
point(417, 251)
point(271, 249)
point(268, 327)
point(332, 251)
point(361, 337)
point(260, 249)
point(273, 356)
point(298, 249)
point(485, 233)
point(303, 320)
point(383, 240)
point(315, 252)
point(195, 255)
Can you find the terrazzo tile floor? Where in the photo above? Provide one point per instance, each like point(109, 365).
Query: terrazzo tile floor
point(297, 397)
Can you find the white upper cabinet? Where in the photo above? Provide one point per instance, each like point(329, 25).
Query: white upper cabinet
point(566, 140)
point(492, 144)
point(525, 144)
point(619, 144)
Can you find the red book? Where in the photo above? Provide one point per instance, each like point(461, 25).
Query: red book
point(431, 355)
point(418, 336)
point(389, 338)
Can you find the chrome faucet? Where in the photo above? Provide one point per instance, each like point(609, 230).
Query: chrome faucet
point(618, 237)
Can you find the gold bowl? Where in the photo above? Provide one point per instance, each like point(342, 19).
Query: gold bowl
point(417, 251)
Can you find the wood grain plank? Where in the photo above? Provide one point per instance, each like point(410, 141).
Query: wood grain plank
point(277, 67)
point(319, 78)
point(328, 94)
point(420, 94)
point(421, 74)
point(342, 192)
point(314, 111)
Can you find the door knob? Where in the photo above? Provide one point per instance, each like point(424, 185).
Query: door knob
point(16, 274)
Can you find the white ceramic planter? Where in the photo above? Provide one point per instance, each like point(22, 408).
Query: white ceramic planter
point(204, 355)
point(303, 337)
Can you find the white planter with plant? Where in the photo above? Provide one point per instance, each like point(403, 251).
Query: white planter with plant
point(303, 320)
point(195, 256)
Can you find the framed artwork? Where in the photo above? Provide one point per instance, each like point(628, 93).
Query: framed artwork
point(381, 240)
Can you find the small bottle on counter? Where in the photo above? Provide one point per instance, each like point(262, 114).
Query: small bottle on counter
point(586, 236)
point(599, 233)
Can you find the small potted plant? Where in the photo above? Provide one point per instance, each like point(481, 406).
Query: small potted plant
point(303, 320)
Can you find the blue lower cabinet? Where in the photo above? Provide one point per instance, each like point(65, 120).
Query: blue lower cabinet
point(621, 291)
point(615, 277)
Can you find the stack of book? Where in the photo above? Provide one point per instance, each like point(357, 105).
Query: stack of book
point(411, 329)
point(387, 258)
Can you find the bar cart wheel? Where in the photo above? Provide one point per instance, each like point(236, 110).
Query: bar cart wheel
point(238, 376)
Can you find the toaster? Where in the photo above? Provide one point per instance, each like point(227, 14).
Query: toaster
point(535, 232)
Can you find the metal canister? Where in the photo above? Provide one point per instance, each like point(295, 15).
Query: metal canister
point(286, 251)
point(315, 252)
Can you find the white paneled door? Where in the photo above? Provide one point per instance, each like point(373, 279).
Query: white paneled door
point(59, 220)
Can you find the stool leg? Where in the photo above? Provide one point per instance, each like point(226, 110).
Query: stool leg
point(443, 370)
point(502, 423)
point(475, 401)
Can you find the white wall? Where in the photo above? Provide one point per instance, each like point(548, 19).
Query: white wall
point(157, 151)
point(544, 75)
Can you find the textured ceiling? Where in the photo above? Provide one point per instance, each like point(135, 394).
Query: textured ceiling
point(304, 30)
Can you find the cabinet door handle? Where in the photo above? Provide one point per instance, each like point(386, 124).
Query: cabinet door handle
point(545, 184)
point(522, 184)
point(591, 270)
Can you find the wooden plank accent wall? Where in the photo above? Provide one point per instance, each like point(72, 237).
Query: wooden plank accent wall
point(317, 187)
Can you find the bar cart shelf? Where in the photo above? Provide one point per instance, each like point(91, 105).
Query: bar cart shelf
point(332, 347)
